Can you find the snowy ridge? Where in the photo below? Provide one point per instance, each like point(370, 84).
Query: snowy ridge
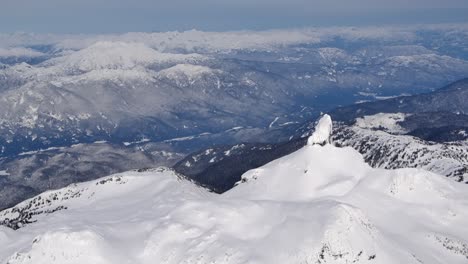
point(384, 150)
point(138, 74)
point(103, 60)
point(316, 205)
point(83, 194)
point(118, 55)
point(188, 72)
point(55, 168)
point(424, 59)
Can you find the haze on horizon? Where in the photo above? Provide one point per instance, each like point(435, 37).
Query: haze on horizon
point(113, 16)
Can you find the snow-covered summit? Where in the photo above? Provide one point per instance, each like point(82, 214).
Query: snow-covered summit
point(315, 172)
point(101, 61)
point(322, 132)
point(316, 205)
point(185, 71)
point(118, 55)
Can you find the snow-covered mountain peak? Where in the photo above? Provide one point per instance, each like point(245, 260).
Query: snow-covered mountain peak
point(311, 172)
point(317, 171)
point(118, 55)
point(187, 71)
point(320, 204)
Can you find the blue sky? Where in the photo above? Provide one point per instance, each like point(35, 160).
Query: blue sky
point(109, 16)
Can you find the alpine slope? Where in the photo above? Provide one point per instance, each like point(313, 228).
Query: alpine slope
point(320, 204)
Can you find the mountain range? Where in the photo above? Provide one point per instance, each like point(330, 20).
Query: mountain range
point(386, 132)
point(161, 86)
point(199, 147)
point(316, 205)
point(76, 108)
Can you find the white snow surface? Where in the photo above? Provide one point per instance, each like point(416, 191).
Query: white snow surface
point(316, 205)
point(322, 132)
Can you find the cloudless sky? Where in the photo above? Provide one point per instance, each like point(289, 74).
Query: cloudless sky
point(110, 16)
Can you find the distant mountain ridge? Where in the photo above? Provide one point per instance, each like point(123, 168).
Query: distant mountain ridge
point(449, 99)
point(439, 116)
point(100, 87)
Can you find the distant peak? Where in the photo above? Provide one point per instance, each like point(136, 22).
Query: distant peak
point(120, 55)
